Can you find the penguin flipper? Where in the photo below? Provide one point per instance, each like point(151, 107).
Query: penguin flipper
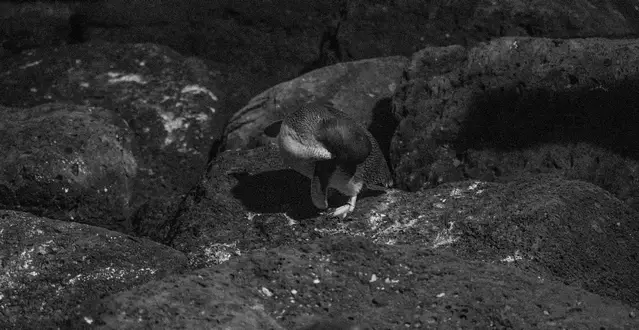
point(319, 183)
point(273, 129)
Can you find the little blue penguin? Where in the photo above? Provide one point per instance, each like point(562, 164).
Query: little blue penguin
point(333, 150)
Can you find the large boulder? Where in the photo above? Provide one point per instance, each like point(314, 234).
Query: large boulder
point(67, 162)
point(49, 268)
point(166, 100)
point(362, 89)
point(352, 279)
point(520, 105)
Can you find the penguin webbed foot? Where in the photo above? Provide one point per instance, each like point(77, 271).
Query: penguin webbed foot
point(343, 211)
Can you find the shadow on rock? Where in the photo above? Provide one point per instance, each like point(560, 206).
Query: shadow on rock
point(275, 191)
point(383, 126)
point(514, 118)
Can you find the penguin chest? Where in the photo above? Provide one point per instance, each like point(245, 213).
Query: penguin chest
point(300, 152)
point(346, 183)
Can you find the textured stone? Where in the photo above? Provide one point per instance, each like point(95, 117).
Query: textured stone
point(346, 278)
point(520, 105)
point(49, 268)
point(67, 162)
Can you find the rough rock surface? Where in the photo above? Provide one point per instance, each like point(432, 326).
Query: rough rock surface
point(362, 89)
point(382, 287)
point(257, 43)
point(49, 268)
point(165, 98)
point(261, 43)
point(67, 162)
point(568, 230)
point(520, 105)
point(281, 33)
point(461, 255)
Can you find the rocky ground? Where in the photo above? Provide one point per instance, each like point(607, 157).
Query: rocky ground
point(138, 190)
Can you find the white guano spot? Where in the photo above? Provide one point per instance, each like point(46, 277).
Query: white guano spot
point(445, 237)
point(197, 89)
point(112, 274)
point(173, 124)
point(219, 253)
point(513, 258)
point(118, 77)
point(266, 292)
point(30, 64)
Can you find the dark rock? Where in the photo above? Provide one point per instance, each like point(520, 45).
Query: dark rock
point(165, 98)
point(67, 162)
point(28, 24)
point(362, 89)
point(520, 105)
point(257, 44)
point(50, 268)
point(338, 277)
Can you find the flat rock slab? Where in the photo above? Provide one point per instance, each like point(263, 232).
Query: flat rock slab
point(353, 279)
point(49, 268)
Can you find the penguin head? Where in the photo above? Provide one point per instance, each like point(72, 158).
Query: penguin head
point(346, 142)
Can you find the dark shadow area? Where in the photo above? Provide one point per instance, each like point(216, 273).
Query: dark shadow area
point(78, 28)
point(383, 126)
point(284, 191)
point(629, 10)
point(330, 50)
point(515, 118)
point(274, 192)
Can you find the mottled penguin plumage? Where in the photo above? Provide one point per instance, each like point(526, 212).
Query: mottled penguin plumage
point(333, 150)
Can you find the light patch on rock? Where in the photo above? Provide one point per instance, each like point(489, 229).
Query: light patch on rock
point(397, 227)
point(171, 124)
point(342, 229)
point(15, 270)
point(174, 124)
point(456, 192)
point(290, 221)
point(376, 215)
point(219, 253)
point(266, 292)
point(111, 274)
point(513, 258)
point(251, 215)
point(30, 64)
point(392, 87)
point(197, 89)
point(459, 192)
point(445, 237)
point(118, 77)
